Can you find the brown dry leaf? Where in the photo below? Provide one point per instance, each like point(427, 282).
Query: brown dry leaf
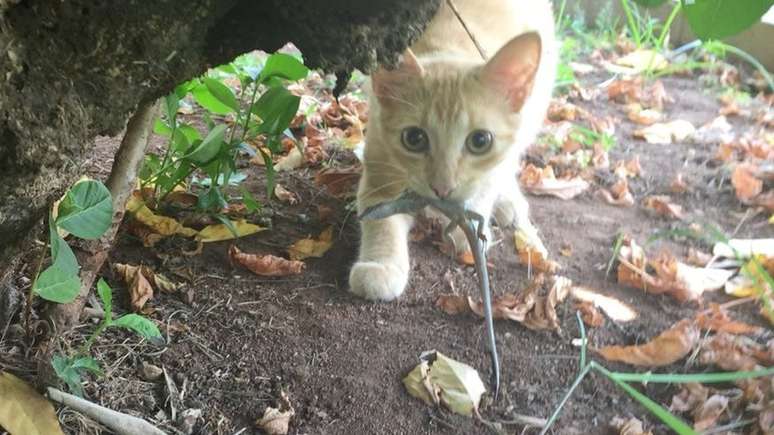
point(735, 353)
point(744, 181)
point(691, 396)
point(698, 258)
point(292, 160)
point(453, 304)
point(24, 411)
point(265, 265)
point(310, 247)
point(528, 308)
point(641, 116)
point(655, 96)
point(625, 91)
point(543, 182)
point(162, 225)
point(139, 286)
point(670, 346)
point(707, 415)
point(614, 308)
point(565, 250)
point(678, 185)
point(531, 250)
point(561, 110)
point(631, 426)
point(662, 205)
point(181, 199)
point(628, 169)
point(716, 131)
point(666, 133)
point(275, 421)
point(285, 195)
point(339, 181)
point(590, 314)
point(717, 319)
point(618, 194)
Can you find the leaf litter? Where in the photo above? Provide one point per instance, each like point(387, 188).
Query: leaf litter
point(442, 381)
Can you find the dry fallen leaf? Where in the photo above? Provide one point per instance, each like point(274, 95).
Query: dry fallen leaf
point(643, 60)
point(162, 225)
point(628, 169)
point(284, 195)
point(24, 411)
point(735, 353)
point(265, 265)
point(746, 184)
point(339, 181)
point(678, 185)
point(309, 247)
point(441, 380)
point(590, 314)
point(631, 426)
point(670, 346)
point(641, 116)
point(666, 133)
point(716, 319)
point(292, 160)
point(662, 205)
point(220, 232)
point(138, 279)
point(614, 308)
point(618, 194)
point(744, 248)
point(706, 408)
point(543, 182)
point(274, 420)
point(532, 252)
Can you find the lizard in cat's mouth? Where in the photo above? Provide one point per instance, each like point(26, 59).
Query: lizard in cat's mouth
point(472, 224)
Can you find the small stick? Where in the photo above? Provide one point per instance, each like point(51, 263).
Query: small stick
point(120, 423)
point(467, 29)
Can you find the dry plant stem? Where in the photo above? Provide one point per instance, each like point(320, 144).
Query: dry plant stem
point(121, 424)
point(120, 183)
point(467, 30)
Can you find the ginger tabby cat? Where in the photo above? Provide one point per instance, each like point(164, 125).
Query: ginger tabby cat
point(447, 124)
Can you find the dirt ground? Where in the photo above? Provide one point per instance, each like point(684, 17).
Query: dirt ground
point(235, 341)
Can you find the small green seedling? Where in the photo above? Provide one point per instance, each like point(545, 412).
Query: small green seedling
point(71, 368)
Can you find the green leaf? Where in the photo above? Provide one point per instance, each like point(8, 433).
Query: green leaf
point(87, 363)
point(718, 19)
point(270, 173)
point(150, 167)
point(211, 200)
point(106, 295)
point(61, 254)
point(57, 285)
point(87, 210)
point(190, 133)
point(284, 66)
point(222, 93)
point(70, 376)
point(209, 147)
point(204, 98)
point(171, 104)
point(161, 129)
point(650, 3)
point(249, 200)
point(140, 325)
point(276, 108)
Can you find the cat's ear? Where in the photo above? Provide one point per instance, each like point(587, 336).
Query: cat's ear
point(512, 69)
point(385, 82)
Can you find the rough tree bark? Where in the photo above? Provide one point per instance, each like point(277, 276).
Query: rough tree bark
point(71, 70)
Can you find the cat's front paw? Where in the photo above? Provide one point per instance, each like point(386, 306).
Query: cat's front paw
point(377, 281)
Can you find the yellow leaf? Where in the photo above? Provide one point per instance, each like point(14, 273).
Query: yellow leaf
point(219, 232)
point(163, 225)
point(309, 247)
point(643, 60)
point(24, 411)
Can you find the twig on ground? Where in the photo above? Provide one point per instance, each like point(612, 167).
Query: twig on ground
point(120, 423)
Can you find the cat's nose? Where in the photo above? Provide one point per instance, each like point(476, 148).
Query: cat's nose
point(442, 192)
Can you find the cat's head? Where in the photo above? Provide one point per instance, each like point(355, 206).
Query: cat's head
point(450, 122)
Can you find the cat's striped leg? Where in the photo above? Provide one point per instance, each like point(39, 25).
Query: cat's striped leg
point(382, 269)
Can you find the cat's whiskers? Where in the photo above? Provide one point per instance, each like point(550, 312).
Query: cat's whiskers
point(380, 189)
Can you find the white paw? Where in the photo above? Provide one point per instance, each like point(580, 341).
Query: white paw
point(377, 281)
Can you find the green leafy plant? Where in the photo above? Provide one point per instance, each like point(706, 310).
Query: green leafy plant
point(71, 368)
point(263, 108)
point(86, 211)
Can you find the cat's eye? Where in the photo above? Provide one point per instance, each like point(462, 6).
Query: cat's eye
point(415, 139)
point(479, 141)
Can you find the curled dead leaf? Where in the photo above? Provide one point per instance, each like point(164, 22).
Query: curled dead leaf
point(614, 308)
point(310, 247)
point(666, 133)
point(641, 116)
point(590, 314)
point(717, 319)
point(662, 205)
point(339, 181)
point(618, 194)
point(285, 195)
point(543, 182)
point(441, 380)
point(630, 426)
point(735, 353)
point(265, 265)
point(532, 252)
point(745, 183)
point(668, 347)
point(276, 421)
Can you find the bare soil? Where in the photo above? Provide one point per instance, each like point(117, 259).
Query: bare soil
point(236, 340)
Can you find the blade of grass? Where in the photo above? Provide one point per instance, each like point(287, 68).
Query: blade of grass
point(704, 378)
point(566, 397)
point(659, 411)
point(616, 250)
